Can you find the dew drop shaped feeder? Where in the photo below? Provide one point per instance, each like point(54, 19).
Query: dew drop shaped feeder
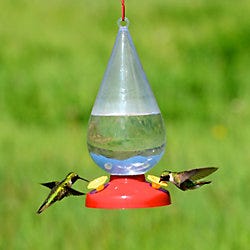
point(126, 133)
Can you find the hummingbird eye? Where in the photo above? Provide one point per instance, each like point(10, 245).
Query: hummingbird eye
point(74, 178)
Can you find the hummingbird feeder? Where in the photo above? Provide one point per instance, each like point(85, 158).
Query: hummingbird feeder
point(126, 132)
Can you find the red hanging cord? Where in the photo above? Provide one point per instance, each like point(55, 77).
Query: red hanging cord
point(123, 9)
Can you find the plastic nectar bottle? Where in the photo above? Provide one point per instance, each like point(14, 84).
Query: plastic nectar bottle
point(126, 132)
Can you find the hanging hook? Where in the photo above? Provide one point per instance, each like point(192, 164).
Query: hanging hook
point(123, 9)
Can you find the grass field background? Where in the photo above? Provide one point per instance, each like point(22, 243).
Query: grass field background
point(52, 58)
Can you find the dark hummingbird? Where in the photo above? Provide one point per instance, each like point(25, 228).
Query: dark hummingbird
point(189, 179)
point(60, 189)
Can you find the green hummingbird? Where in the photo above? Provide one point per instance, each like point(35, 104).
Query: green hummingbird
point(60, 189)
point(188, 180)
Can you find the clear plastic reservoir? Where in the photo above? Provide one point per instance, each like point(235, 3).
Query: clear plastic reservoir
point(126, 132)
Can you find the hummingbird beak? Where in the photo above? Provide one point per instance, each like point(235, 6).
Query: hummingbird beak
point(83, 179)
point(163, 179)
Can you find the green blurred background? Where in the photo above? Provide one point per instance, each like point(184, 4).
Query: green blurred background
point(53, 55)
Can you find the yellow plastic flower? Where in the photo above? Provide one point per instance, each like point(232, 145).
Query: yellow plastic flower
point(98, 183)
point(155, 182)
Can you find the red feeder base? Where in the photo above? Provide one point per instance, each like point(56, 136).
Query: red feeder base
point(127, 192)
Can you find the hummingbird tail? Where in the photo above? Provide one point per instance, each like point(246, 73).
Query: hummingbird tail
point(204, 182)
point(42, 208)
point(201, 183)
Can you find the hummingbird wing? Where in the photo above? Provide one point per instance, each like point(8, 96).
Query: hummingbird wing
point(71, 191)
point(203, 172)
point(196, 174)
point(51, 184)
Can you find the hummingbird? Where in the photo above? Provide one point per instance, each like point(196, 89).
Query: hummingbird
point(188, 180)
point(60, 189)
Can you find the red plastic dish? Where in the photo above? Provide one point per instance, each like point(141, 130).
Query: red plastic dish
point(127, 192)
